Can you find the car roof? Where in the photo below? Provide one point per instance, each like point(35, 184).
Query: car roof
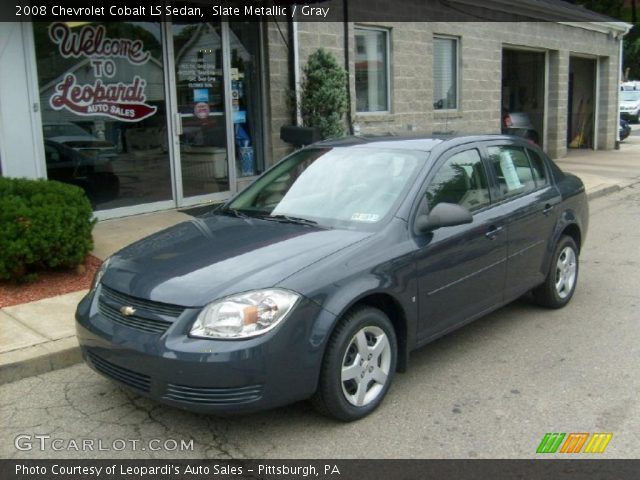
point(420, 143)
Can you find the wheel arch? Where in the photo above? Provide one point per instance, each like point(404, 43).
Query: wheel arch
point(396, 313)
point(573, 230)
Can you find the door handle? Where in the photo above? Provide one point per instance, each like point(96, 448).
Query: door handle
point(493, 232)
point(547, 209)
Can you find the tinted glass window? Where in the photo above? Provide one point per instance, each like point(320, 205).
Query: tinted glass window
point(512, 167)
point(462, 180)
point(539, 172)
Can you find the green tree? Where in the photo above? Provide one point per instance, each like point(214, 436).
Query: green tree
point(323, 100)
point(626, 11)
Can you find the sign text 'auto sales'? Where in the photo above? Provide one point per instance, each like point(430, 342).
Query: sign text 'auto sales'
point(121, 101)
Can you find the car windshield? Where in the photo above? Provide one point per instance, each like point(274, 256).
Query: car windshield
point(353, 188)
point(630, 96)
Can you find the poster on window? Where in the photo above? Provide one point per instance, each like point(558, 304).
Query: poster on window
point(102, 55)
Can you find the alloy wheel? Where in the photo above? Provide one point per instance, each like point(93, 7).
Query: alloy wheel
point(566, 272)
point(365, 366)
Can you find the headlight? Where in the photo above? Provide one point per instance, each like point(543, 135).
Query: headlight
point(244, 315)
point(98, 276)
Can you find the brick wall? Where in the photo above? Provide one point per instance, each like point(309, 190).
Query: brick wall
point(481, 47)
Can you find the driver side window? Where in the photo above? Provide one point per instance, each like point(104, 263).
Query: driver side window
point(461, 180)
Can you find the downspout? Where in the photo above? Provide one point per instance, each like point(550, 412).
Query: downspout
point(296, 73)
point(294, 70)
point(345, 12)
point(620, 79)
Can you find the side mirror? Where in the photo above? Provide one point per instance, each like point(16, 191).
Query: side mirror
point(443, 215)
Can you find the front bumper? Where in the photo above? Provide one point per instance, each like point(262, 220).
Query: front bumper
point(210, 376)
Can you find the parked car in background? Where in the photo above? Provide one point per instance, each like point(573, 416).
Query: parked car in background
point(630, 105)
point(625, 129)
point(318, 279)
point(520, 125)
point(630, 85)
point(73, 136)
point(82, 163)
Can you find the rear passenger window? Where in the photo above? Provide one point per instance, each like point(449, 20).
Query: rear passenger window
point(513, 169)
point(539, 172)
point(462, 180)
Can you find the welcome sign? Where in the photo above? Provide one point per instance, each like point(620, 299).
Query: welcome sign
point(121, 101)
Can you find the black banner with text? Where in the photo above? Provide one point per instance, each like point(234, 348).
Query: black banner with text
point(555, 469)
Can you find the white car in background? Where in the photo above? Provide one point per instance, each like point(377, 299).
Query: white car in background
point(630, 105)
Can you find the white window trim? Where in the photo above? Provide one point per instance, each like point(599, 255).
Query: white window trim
point(387, 31)
point(457, 40)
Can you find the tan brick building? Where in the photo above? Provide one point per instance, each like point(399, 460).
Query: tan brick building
point(551, 55)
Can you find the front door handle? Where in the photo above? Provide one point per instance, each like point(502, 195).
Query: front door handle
point(547, 209)
point(493, 232)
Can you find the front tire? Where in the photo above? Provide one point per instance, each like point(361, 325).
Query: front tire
point(560, 284)
point(358, 366)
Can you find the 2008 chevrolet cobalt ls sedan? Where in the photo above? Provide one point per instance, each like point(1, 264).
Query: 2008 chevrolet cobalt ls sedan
point(320, 278)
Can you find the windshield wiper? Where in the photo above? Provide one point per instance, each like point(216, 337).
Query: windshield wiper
point(235, 213)
point(290, 219)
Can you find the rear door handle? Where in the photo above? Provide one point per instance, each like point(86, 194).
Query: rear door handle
point(547, 209)
point(493, 232)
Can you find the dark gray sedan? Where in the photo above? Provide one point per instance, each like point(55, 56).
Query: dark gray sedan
point(319, 279)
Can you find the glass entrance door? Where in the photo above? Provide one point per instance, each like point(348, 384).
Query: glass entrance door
point(246, 96)
point(201, 118)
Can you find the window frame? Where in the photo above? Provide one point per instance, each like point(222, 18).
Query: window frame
point(420, 204)
point(458, 41)
point(387, 32)
point(545, 168)
point(497, 196)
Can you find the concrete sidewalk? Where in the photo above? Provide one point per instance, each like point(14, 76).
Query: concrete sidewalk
point(39, 336)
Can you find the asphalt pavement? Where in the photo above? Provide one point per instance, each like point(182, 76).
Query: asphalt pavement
point(489, 390)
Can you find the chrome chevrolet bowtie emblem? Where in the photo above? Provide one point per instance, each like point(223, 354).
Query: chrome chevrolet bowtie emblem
point(127, 310)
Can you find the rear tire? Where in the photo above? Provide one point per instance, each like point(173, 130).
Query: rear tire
point(358, 366)
point(562, 278)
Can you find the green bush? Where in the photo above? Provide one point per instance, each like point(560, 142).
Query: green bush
point(43, 225)
point(323, 100)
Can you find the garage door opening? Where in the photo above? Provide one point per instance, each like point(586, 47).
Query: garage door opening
point(582, 101)
point(523, 94)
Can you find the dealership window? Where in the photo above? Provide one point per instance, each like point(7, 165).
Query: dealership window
point(372, 70)
point(445, 73)
point(103, 110)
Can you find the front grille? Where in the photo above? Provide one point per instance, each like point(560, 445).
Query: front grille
point(133, 379)
point(150, 317)
point(213, 396)
point(133, 321)
point(139, 303)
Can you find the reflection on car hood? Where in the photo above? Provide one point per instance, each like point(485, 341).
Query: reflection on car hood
point(210, 257)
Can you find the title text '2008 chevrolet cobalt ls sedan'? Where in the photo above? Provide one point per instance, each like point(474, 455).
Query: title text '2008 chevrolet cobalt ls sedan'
point(320, 278)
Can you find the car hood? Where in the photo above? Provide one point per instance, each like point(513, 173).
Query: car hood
point(196, 262)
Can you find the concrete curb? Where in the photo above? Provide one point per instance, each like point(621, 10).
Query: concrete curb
point(604, 191)
point(39, 359)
